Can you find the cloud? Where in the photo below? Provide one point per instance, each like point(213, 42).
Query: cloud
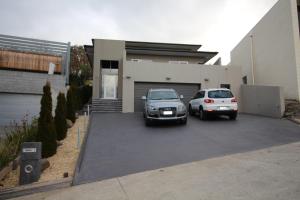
point(216, 24)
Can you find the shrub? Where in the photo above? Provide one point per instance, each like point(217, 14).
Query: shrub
point(82, 95)
point(71, 104)
point(60, 117)
point(46, 128)
point(86, 93)
point(15, 136)
point(77, 98)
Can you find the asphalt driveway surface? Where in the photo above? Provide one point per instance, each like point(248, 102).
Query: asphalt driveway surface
point(120, 144)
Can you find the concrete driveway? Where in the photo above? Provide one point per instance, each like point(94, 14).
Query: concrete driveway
point(120, 144)
point(267, 174)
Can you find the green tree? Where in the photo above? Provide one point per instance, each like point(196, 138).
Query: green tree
point(80, 69)
point(71, 104)
point(46, 128)
point(60, 117)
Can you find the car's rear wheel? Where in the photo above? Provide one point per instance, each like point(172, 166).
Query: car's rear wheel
point(191, 112)
point(202, 114)
point(233, 116)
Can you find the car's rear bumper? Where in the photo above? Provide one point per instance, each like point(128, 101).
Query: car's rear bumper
point(217, 107)
point(223, 112)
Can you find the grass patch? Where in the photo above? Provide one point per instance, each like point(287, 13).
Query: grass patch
point(15, 136)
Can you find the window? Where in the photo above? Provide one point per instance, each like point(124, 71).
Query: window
point(136, 60)
point(245, 80)
point(200, 94)
point(161, 95)
point(227, 86)
point(178, 62)
point(109, 64)
point(218, 94)
point(140, 60)
point(196, 96)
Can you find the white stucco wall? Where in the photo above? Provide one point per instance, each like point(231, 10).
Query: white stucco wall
point(276, 59)
point(191, 73)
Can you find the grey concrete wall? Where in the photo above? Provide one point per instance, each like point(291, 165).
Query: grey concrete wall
point(29, 82)
point(14, 107)
point(106, 50)
point(179, 73)
point(20, 93)
point(272, 50)
point(262, 100)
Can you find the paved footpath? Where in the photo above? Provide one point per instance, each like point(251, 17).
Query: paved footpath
point(272, 173)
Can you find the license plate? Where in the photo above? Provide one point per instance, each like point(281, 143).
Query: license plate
point(223, 108)
point(167, 112)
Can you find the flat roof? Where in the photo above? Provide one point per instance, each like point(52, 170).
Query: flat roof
point(159, 49)
point(161, 46)
point(168, 49)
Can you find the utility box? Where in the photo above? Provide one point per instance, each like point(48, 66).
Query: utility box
point(30, 165)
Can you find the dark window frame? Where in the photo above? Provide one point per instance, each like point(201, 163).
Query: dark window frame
point(225, 85)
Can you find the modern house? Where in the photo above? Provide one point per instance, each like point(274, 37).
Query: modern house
point(270, 53)
point(25, 66)
point(124, 70)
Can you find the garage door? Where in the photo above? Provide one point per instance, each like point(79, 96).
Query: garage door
point(141, 88)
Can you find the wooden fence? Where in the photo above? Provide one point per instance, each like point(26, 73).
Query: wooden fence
point(29, 61)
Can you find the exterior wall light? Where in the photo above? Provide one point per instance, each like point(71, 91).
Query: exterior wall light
point(206, 79)
point(128, 77)
point(168, 78)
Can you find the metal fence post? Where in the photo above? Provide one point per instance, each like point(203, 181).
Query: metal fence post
point(78, 138)
point(68, 62)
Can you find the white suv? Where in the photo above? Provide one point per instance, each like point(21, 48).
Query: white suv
point(218, 101)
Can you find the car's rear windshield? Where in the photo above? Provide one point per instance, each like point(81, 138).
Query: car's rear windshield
point(217, 94)
point(162, 95)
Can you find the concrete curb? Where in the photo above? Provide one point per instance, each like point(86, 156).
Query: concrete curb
point(35, 188)
point(297, 121)
point(82, 151)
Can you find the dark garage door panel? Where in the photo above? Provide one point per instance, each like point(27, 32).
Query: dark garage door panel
point(140, 89)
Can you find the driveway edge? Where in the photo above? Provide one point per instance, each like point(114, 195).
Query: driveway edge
point(35, 188)
point(82, 151)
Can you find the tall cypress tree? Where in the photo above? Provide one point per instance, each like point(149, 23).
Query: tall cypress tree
point(60, 117)
point(46, 128)
point(71, 104)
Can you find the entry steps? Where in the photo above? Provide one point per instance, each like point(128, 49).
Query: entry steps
point(107, 105)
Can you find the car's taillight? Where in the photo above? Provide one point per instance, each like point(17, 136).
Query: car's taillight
point(234, 100)
point(208, 100)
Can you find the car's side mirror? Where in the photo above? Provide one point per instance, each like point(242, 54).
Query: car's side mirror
point(181, 96)
point(143, 98)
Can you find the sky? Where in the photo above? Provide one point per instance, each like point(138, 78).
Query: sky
point(218, 25)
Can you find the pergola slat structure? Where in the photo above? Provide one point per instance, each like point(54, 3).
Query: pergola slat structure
point(27, 54)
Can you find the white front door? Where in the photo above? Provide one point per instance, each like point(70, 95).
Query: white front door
point(109, 86)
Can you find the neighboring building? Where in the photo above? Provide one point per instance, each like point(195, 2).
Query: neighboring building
point(124, 70)
point(24, 68)
point(270, 53)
